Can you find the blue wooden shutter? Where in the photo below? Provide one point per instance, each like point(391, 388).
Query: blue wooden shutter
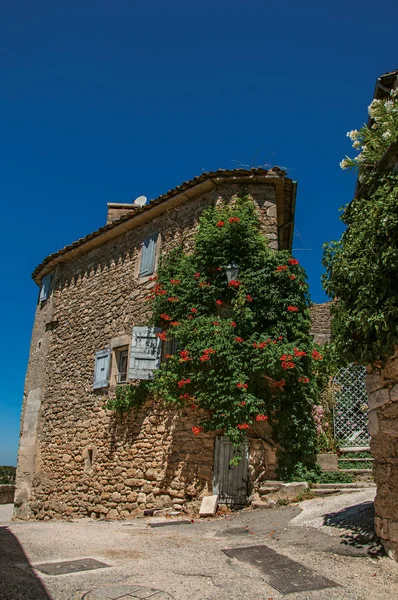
point(145, 352)
point(102, 368)
point(148, 252)
point(45, 287)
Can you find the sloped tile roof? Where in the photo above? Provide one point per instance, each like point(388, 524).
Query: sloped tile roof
point(186, 185)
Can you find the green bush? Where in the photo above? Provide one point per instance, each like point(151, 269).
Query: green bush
point(7, 475)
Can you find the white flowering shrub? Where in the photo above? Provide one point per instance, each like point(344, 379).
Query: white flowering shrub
point(372, 142)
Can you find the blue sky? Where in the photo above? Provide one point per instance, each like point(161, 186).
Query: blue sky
point(104, 101)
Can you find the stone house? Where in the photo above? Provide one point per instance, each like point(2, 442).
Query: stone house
point(91, 334)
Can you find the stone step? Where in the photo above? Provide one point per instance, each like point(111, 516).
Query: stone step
point(268, 490)
point(357, 459)
point(349, 486)
point(327, 492)
point(355, 449)
point(356, 471)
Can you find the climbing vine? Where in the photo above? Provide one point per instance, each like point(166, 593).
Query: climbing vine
point(361, 267)
point(240, 352)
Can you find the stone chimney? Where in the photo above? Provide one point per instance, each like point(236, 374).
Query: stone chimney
point(115, 211)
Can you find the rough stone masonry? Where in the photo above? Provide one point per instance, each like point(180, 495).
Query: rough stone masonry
point(76, 458)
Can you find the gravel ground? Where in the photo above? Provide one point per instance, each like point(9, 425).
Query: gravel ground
point(187, 561)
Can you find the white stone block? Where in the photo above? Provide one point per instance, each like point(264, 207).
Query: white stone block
point(291, 490)
point(208, 507)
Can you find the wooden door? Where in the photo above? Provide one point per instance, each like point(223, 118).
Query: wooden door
point(230, 483)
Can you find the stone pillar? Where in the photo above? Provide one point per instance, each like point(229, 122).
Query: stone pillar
point(382, 387)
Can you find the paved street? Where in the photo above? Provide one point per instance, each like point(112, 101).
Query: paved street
point(187, 562)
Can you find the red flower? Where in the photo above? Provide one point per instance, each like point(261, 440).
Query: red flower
point(175, 323)
point(316, 355)
point(175, 281)
point(172, 299)
point(216, 323)
point(293, 261)
point(243, 426)
point(234, 220)
point(218, 268)
point(184, 396)
point(303, 379)
point(219, 302)
point(190, 317)
point(193, 407)
point(184, 356)
point(292, 308)
point(280, 338)
point(242, 403)
point(204, 358)
point(194, 310)
point(209, 351)
point(242, 386)
point(151, 297)
point(238, 340)
point(292, 277)
point(204, 284)
point(169, 356)
point(261, 418)
point(153, 278)
point(220, 224)
point(249, 298)
point(287, 365)
point(234, 283)
point(197, 430)
point(197, 275)
point(183, 382)
point(233, 324)
point(165, 317)
point(299, 353)
point(162, 336)
point(286, 357)
point(281, 268)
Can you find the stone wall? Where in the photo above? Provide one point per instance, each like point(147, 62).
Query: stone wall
point(77, 458)
point(382, 387)
point(321, 322)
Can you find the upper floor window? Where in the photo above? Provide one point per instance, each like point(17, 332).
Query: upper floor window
point(45, 287)
point(148, 255)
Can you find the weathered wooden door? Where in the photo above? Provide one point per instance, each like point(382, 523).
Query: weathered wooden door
point(230, 482)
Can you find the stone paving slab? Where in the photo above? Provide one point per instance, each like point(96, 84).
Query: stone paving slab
point(70, 566)
point(126, 592)
point(284, 574)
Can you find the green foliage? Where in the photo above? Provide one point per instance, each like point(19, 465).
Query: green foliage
point(128, 396)
point(361, 267)
point(7, 475)
point(316, 475)
point(245, 353)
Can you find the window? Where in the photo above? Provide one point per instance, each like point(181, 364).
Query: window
point(122, 357)
point(170, 347)
point(145, 352)
point(101, 369)
point(45, 287)
point(148, 255)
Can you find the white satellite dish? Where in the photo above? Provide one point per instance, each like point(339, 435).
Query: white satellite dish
point(141, 201)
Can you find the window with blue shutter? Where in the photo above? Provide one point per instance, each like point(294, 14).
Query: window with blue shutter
point(45, 287)
point(148, 254)
point(145, 352)
point(102, 368)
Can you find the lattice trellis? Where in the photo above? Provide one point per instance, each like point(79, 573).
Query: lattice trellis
point(350, 413)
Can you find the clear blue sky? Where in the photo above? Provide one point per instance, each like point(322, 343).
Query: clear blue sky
point(104, 101)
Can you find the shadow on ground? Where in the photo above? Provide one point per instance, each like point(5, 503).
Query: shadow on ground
point(17, 578)
point(357, 525)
